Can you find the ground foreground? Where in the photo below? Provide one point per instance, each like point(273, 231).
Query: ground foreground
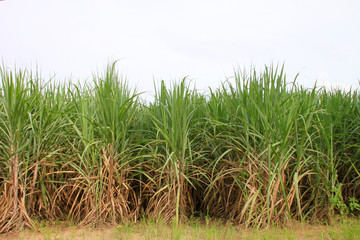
point(197, 229)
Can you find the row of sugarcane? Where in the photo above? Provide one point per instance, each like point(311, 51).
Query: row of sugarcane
point(256, 151)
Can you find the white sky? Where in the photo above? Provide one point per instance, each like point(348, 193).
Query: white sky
point(167, 40)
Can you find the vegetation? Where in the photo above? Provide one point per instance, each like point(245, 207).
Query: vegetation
point(257, 151)
point(346, 229)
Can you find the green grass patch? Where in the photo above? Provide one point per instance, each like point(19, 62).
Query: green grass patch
point(347, 228)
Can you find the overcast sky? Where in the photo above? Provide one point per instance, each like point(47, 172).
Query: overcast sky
point(167, 40)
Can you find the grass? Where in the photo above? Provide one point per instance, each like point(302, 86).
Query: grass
point(347, 228)
point(258, 151)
